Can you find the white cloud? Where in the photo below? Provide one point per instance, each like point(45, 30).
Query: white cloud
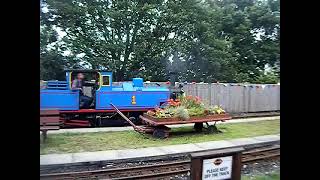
point(80, 55)
point(85, 64)
point(171, 58)
point(45, 9)
point(171, 35)
point(61, 33)
point(66, 53)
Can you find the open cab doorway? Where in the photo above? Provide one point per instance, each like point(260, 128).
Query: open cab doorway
point(91, 83)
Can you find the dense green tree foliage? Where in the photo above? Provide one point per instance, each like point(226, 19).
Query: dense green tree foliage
point(203, 40)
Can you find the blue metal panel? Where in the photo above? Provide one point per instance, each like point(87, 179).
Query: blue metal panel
point(155, 89)
point(137, 82)
point(127, 86)
point(131, 95)
point(57, 82)
point(106, 73)
point(57, 85)
point(123, 100)
point(59, 99)
point(117, 88)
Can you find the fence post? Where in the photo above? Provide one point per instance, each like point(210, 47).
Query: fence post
point(210, 89)
point(196, 89)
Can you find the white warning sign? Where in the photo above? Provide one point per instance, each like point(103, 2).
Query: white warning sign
point(217, 168)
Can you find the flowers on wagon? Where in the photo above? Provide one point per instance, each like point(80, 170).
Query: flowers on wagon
point(216, 110)
point(174, 103)
point(184, 108)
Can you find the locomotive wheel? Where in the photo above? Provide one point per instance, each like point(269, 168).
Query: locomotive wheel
point(198, 127)
point(96, 122)
point(133, 119)
point(160, 133)
point(92, 122)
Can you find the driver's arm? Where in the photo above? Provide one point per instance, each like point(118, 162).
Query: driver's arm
point(74, 85)
point(88, 83)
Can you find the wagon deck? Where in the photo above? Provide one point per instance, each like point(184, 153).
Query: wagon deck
point(157, 126)
point(149, 120)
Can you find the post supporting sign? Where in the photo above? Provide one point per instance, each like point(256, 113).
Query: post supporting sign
point(222, 164)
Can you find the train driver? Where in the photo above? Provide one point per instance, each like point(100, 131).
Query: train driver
point(85, 101)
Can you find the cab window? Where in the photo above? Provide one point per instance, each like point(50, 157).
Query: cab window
point(105, 80)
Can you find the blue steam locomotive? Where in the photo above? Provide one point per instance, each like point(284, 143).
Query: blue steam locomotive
point(131, 98)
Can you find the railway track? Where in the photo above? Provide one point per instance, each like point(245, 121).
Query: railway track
point(163, 170)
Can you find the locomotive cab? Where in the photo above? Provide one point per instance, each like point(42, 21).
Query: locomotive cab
point(93, 81)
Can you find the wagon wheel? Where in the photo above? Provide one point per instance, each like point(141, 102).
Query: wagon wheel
point(213, 129)
point(198, 127)
point(160, 133)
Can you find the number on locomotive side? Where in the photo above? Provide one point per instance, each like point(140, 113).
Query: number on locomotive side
point(133, 100)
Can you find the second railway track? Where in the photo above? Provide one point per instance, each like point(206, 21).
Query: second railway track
point(158, 170)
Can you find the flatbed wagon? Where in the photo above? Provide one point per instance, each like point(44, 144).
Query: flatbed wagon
point(158, 126)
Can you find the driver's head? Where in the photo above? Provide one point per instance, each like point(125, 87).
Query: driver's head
point(80, 76)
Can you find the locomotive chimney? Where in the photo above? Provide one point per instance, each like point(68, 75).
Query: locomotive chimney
point(173, 78)
point(175, 91)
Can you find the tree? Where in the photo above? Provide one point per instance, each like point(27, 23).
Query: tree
point(252, 28)
point(51, 61)
point(267, 78)
point(228, 40)
point(106, 32)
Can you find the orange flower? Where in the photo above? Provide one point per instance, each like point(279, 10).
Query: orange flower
point(189, 97)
